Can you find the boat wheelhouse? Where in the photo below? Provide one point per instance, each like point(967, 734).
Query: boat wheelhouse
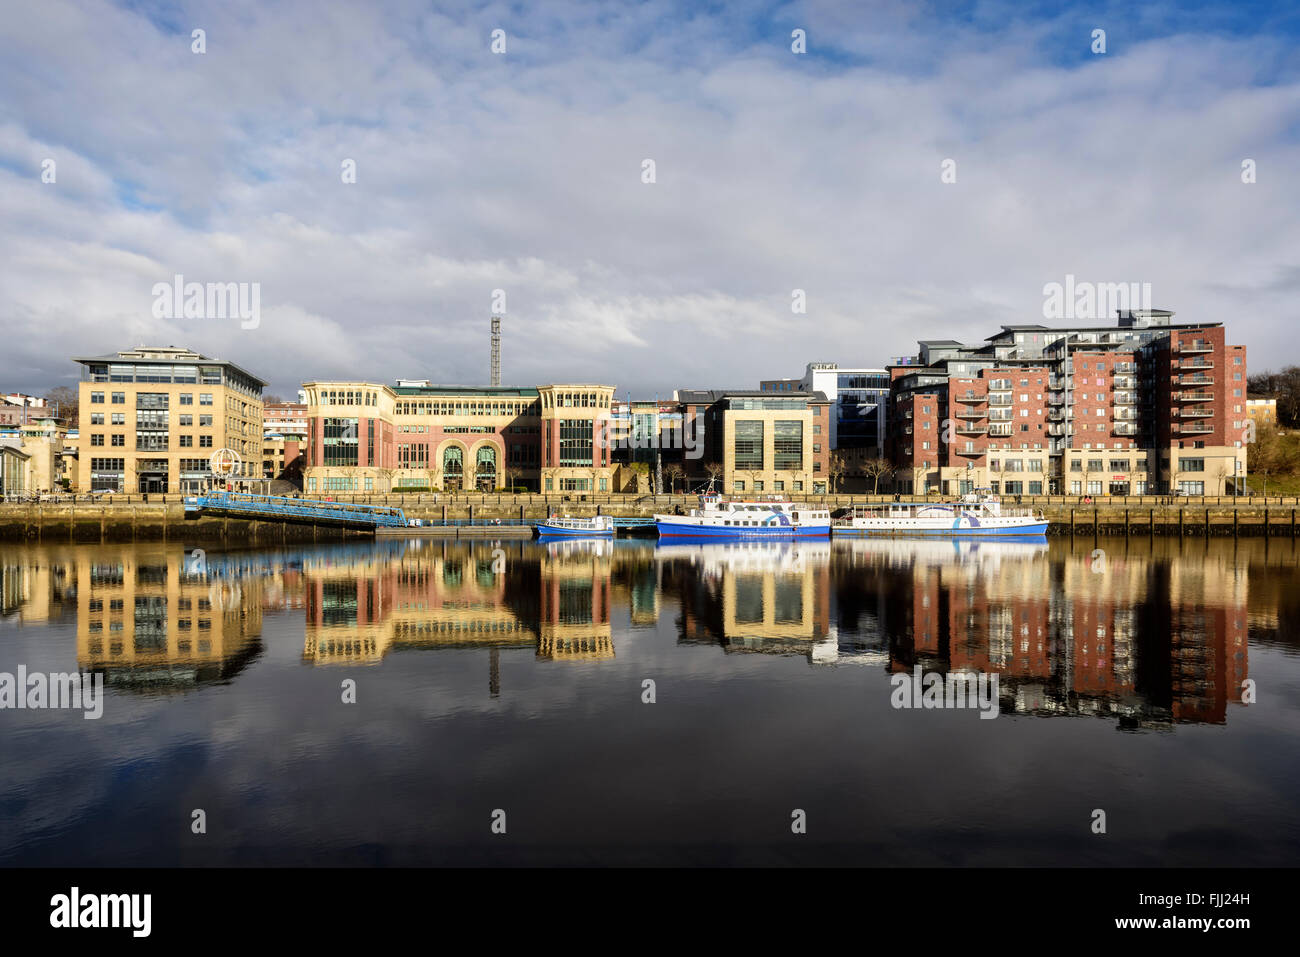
point(978, 513)
point(760, 518)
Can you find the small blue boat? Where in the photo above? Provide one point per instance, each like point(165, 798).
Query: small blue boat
point(598, 526)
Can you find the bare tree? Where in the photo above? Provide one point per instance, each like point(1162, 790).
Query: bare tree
point(673, 472)
point(835, 472)
point(876, 469)
point(715, 472)
point(67, 401)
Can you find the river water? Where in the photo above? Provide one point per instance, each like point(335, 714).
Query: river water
point(429, 702)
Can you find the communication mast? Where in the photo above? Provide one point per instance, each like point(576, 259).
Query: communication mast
point(496, 351)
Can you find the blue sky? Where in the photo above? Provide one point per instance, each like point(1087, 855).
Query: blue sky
point(522, 172)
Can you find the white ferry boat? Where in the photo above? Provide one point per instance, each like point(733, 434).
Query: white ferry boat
point(974, 514)
point(775, 518)
point(598, 526)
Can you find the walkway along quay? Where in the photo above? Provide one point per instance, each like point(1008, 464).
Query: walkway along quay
point(159, 518)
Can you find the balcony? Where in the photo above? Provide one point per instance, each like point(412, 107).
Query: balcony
point(1197, 380)
point(969, 453)
point(997, 429)
point(1193, 396)
point(1056, 382)
point(1195, 346)
point(1055, 398)
point(1056, 430)
point(969, 428)
point(1195, 413)
point(1201, 363)
point(1124, 398)
point(1195, 428)
point(1056, 415)
point(970, 414)
point(971, 398)
point(999, 385)
point(1125, 367)
point(1124, 382)
point(999, 400)
point(1125, 414)
point(1124, 428)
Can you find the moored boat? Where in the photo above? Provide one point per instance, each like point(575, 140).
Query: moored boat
point(973, 515)
point(761, 518)
point(598, 526)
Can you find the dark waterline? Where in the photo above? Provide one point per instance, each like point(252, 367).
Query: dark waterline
point(511, 677)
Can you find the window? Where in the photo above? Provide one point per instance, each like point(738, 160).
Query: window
point(187, 398)
point(1191, 465)
point(187, 420)
point(205, 421)
point(749, 445)
point(205, 398)
point(119, 440)
point(205, 441)
point(97, 398)
point(788, 444)
point(97, 418)
point(96, 440)
point(119, 418)
point(119, 398)
point(187, 441)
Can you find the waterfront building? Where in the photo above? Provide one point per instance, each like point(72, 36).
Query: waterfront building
point(13, 468)
point(575, 450)
point(284, 441)
point(151, 418)
point(1263, 412)
point(1146, 406)
point(759, 441)
point(369, 437)
point(859, 413)
point(40, 436)
point(645, 435)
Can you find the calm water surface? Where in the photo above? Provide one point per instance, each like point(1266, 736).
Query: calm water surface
point(513, 677)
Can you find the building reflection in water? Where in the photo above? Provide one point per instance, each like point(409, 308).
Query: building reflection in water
point(149, 619)
point(1147, 636)
point(1146, 640)
point(552, 598)
point(771, 597)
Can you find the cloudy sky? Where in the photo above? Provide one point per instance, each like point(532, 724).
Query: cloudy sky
point(522, 171)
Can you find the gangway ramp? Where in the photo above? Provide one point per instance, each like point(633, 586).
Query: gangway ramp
point(273, 508)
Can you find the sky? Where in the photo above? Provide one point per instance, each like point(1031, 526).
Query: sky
point(481, 172)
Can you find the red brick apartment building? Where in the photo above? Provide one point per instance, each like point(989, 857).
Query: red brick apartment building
point(1143, 407)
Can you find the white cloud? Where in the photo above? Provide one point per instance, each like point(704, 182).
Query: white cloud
point(522, 172)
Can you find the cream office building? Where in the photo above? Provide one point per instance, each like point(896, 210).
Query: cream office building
point(151, 418)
